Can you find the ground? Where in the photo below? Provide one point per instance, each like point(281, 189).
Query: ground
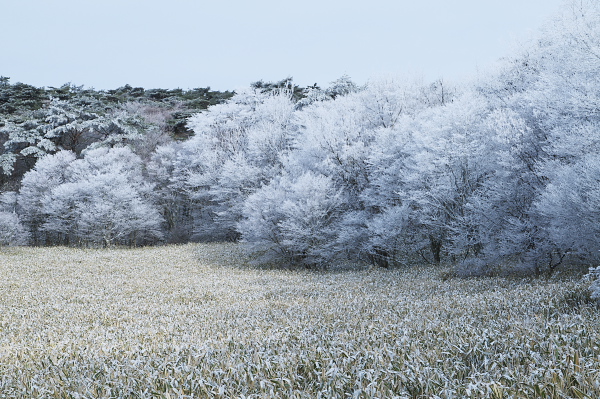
point(197, 321)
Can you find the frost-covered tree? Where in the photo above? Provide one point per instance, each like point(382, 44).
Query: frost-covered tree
point(101, 199)
point(561, 118)
point(569, 206)
point(117, 128)
point(50, 172)
point(105, 210)
point(64, 125)
point(341, 87)
point(168, 170)
point(60, 126)
point(448, 164)
point(333, 141)
point(293, 220)
point(237, 147)
point(12, 231)
point(152, 125)
point(388, 227)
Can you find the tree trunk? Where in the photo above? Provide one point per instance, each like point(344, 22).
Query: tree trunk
point(435, 245)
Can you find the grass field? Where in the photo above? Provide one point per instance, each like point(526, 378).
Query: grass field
point(185, 322)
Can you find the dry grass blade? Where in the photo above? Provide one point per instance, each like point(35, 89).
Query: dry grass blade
point(178, 322)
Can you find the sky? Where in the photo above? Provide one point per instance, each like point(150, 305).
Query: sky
point(227, 44)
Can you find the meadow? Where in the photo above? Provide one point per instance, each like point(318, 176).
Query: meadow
point(195, 321)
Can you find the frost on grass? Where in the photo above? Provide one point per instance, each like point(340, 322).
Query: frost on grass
point(176, 321)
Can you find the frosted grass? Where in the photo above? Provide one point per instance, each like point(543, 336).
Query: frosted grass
point(186, 322)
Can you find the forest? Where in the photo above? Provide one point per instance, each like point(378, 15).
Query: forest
point(500, 172)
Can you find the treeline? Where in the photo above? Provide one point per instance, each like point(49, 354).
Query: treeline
point(504, 170)
point(38, 121)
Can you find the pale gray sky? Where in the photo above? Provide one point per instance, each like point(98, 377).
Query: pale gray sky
point(228, 44)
